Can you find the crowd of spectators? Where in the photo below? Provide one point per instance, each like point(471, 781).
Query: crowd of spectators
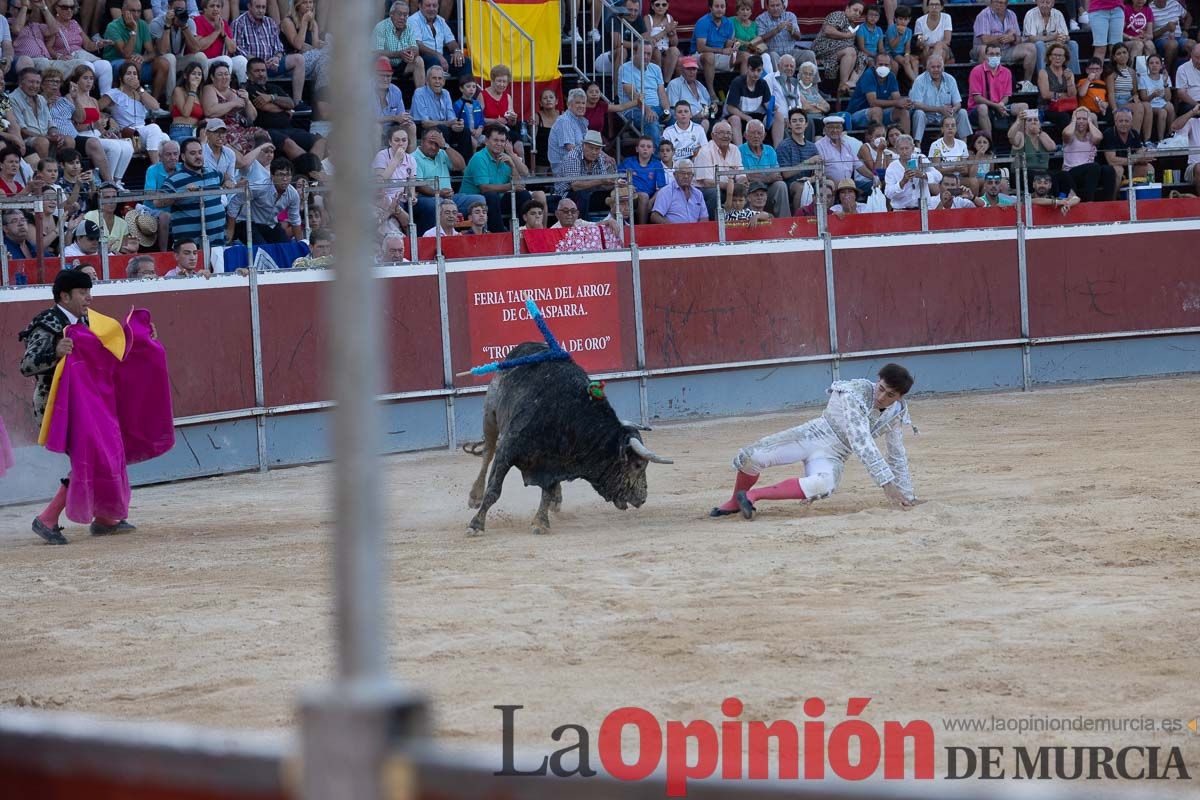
point(748, 120)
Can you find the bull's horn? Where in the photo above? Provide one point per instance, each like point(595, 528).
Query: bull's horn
point(638, 447)
point(636, 426)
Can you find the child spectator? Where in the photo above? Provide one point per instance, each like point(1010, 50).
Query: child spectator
point(470, 109)
point(869, 37)
point(897, 42)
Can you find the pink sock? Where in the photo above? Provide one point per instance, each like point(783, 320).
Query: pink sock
point(743, 483)
point(53, 511)
point(784, 490)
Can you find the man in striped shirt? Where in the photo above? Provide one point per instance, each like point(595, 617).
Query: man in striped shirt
point(186, 214)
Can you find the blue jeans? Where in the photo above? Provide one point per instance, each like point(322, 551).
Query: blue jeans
point(858, 119)
point(648, 123)
point(1108, 26)
point(179, 133)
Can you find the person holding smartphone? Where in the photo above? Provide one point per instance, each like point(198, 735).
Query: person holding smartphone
point(909, 176)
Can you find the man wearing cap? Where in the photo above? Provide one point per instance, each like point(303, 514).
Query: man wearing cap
point(685, 135)
point(641, 80)
point(389, 100)
point(688, 90)
point(840, 157)
point(574, 169)
point(757, 155)
point(756, 200)
point(191, 216)
point(847, 200)
point(86, 240)
point(395, 41)
point(679, 200)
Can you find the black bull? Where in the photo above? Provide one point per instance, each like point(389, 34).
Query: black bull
point(541, 419)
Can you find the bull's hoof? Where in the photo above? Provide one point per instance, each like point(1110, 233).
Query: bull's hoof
point(474, 502)
point(556, 506)
point(540, 530)
point(474, 532)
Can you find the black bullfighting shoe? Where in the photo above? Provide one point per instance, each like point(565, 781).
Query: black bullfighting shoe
point(107, 530)
point(720, 512)
point(747, 508)
point(51, 535)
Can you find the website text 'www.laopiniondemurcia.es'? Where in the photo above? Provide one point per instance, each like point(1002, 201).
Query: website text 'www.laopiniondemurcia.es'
point(815, 748)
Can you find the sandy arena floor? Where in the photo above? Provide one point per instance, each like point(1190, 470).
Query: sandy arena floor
point(1052, 571)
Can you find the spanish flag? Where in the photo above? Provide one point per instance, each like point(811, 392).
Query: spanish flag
point(494, 36)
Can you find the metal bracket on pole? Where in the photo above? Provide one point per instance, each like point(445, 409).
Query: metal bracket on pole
point(1130, 190)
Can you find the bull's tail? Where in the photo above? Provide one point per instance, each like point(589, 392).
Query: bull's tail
point(474, 448)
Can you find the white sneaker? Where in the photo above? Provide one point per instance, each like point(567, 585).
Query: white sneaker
point(594, 35)
point(1027, 88)
point(1074, 26)
point(1084, 19)
point(575, 37)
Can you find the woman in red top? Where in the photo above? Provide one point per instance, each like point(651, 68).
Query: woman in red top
point(216, 39)
point(186, 109)
point(10, 172)
point(498, 106)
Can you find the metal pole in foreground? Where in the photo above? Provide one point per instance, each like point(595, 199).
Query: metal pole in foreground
point(352, 728)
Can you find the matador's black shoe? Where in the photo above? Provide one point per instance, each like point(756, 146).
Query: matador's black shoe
point(721, 512)
point(108, 530)
point(745, 505)
point(51, 535)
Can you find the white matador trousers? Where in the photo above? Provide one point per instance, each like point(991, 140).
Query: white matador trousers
point(814, 444)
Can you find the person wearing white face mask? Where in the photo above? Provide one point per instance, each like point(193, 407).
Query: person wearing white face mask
point(877, 97)
point(989, 88)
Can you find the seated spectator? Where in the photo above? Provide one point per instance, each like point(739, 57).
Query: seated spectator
point(980, 146)
point(1171, 23)
point(877, 97)
point(218, 156)
point(10, 172)
point(140, 268)
point(268, 202)
point(648, 175)
point(666, 154)
point(112, 227)
point(213, 37)
point(33, 115)
point(156, 176)
point(477, 217)
point(1123, 146)
point(679, 200)
point(599, 106)
point(567, 215)
point(1026, 136)
point(785, 88)
point(392, 249)
point(567, 132)
point(1058, 96)
point(86, 240)
point(1043, 193)
point(276, 114)
point(435, 160)
point(436, 43)
point(897, 43)
point(641, 81)
point(320, 251)
point(432, 107)
point(1092, 90)
point(71, 44)
point(257, 36)
point(685, 136)
point(187, 261)
point(129, 104)
point(395, 41)
point(17, 240)
point(910, 176)
point(394, 164)
point(757, 155)
point(713, 40)
point(835, 46)
point(932, 32)
point(756, 200)
point(1187, 82)
point(447, 219)
point(749, 99)
point(469, 108)
point(992, 198)
point(868, 38)
point(390, 109)
point(301, 33)
point(169, 30)
point(498, 106)
point(686, 88)
point(780, 30)
point(585, 171)
point(949, 152)
point(533, 216)
point(195, 218)
point(935, 97)
point(132, 43)
point(996, 25)
point(1044, 26)
point(955, 195)
point(493, 172)
point(186, 109)
point(990, 89)
point(542, 122)
point(661, 32)
point(841, 157)
point(794, 152)
point(1139, 28)
point(720, 153)
point(1091, 181)
point(1123, 89)
point(847, 200)
point(1154, 88)
point(738, 212)
point(1188, 124)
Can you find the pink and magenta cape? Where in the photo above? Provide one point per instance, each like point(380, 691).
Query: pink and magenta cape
point(110, 406)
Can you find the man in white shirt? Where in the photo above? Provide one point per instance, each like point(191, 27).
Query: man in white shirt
point(447, 219)
point(910, 175)
point(685, 136)
point(1187, 82)
point(719, 152)
point(1045, 24)
point(1189, 125)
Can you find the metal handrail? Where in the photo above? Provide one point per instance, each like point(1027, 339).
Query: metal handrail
point(477, 9)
